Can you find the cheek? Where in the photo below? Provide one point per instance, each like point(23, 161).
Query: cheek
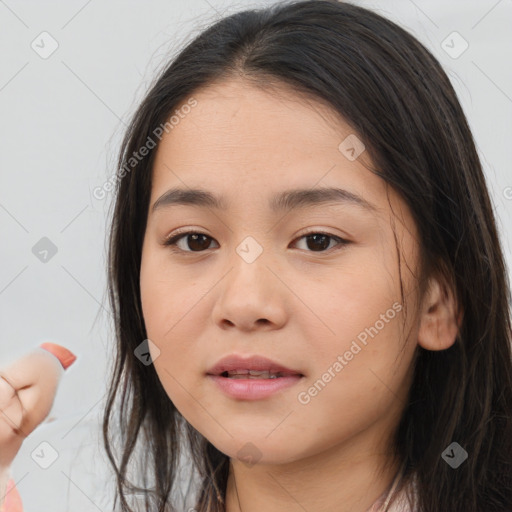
point(170, 325)
point(170, 302)
point(348, 301)
point(357, 333)
point(166, 295)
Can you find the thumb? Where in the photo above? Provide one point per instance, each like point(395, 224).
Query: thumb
point(38, 398)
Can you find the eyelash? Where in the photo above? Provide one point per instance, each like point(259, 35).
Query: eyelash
point(172, 240)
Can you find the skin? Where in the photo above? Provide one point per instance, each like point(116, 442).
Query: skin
point(27, 391)
point(301, 304)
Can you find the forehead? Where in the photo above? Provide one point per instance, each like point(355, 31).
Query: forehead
point(239, 134)
point(236, 111)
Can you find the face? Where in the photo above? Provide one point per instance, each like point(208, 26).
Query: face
point(313, 285)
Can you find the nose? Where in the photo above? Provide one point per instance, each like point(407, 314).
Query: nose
point(251, 297)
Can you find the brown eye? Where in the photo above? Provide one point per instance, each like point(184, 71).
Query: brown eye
point(320, 242)
point(194, 242)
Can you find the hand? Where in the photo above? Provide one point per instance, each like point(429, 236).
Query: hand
point(27, 392)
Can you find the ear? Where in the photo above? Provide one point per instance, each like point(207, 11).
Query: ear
point(439, 320)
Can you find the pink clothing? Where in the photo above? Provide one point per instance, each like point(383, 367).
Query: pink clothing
point(400, 503)
point(12, 502)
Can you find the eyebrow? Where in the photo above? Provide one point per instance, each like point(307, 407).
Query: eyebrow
point(281, 202)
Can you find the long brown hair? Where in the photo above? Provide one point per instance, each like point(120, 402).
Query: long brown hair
point(400, 102)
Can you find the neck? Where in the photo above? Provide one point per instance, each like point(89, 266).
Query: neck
point(343, 478)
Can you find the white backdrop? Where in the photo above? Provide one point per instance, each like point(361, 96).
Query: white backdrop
point(71, 73)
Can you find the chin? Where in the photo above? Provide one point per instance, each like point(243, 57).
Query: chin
point(257, 450)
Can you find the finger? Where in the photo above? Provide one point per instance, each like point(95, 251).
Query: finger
point(37, 405)
point(35, 378)
point(38, 398)
point(11, 411)
point(11, 417)
point(26, 370)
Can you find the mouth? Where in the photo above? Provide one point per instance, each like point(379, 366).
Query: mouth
point(252, 378)
point(250, 385)
point(256, 374)
point(236, 366)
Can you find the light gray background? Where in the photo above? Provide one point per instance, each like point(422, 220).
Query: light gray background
point(60, 127)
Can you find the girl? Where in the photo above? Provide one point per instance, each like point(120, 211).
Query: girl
point(301, 197)
point(369, 372)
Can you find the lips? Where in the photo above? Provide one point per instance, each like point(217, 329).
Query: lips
point(234, 364)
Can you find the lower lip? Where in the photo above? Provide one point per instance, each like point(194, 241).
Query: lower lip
point(254, 389)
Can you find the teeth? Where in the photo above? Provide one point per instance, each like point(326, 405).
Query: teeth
point(252, 374)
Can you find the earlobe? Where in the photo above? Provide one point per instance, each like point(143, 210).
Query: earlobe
point(439, 321)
